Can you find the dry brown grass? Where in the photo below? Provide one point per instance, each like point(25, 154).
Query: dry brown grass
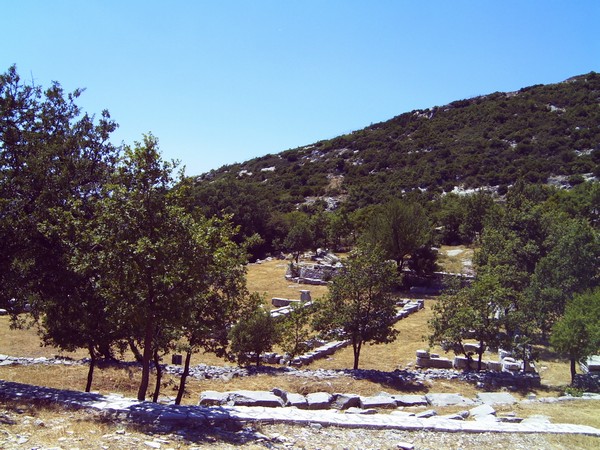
point(268, 279)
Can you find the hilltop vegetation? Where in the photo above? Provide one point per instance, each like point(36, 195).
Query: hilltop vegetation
point(491, 140)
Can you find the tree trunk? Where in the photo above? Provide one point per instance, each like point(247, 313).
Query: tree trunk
point(480, 352)
point(90, 376)
point(184, 375)
point(573, 370)
point(356, 350)
point(136, 352)
point(158, 377)
point(146, 361)
point(257, 358)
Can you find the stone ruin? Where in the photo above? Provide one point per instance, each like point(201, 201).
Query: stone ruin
point(505, 363)
point(322, 268)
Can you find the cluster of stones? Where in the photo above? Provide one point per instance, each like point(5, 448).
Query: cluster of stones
point(506, 363)
point(479, 409)
point(325, 266)
point(6, 360)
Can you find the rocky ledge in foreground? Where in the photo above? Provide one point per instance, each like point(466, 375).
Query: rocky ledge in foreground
point(196, 416)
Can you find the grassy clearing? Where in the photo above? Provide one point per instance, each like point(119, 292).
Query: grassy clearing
point(268, 279)
point(455, 259)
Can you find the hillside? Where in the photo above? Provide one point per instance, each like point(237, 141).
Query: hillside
point(536, 134)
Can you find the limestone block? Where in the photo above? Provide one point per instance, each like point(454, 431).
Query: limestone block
point(511, 366)
point(495, 366)
point(319, 400)
point(297, 400)
point(496, 398)
point(378, 401)
point(255, 398)
point(355, 410)
point(213, 398)
point(440, 363)
point(447, 400)
point(482, 410)
point(422, 354)
point(426, 414)
point(345, 401)
point(410, 400)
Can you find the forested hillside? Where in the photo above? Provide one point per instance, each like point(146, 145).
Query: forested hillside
point(540, 134)
point(492, 140)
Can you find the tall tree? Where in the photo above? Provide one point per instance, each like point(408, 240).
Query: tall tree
point(577, 333)
point(150, 253)
point(54, 161)
point(399, 228)
point(360, 306)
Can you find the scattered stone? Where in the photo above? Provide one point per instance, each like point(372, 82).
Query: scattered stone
point(426, 414)
point(405, 446)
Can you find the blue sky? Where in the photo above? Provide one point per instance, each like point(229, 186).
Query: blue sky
point(221, 81)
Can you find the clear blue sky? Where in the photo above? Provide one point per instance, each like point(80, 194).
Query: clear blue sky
point(223, 81)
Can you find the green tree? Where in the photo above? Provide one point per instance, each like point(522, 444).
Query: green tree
point(220, 297)
point(294, 328)
point(300, 236)
point(54, 161)
point(360, 306)
point(570, 266)
point(478, 312)
point(150, 253)
point(398, 228)
point(256, 334)
point(577, 333)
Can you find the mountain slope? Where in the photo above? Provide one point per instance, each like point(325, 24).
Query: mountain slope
point(493, 140)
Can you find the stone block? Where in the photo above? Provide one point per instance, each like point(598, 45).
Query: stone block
point(426, 414)
point(297, 400)
point(495, 366)
point(355, 410)
point(319, 400)
point(496, 398)
point(255, 398)
point(440, 363)
point(345, 401)
point(410, 400)
point(482, 410)
point(213, 398)
point(378, 401)
point(447, 400)
point(422, 354)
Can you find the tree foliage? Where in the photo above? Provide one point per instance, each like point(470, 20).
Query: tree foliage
point(577, 333)
point(256, 334)
point(360, 306)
